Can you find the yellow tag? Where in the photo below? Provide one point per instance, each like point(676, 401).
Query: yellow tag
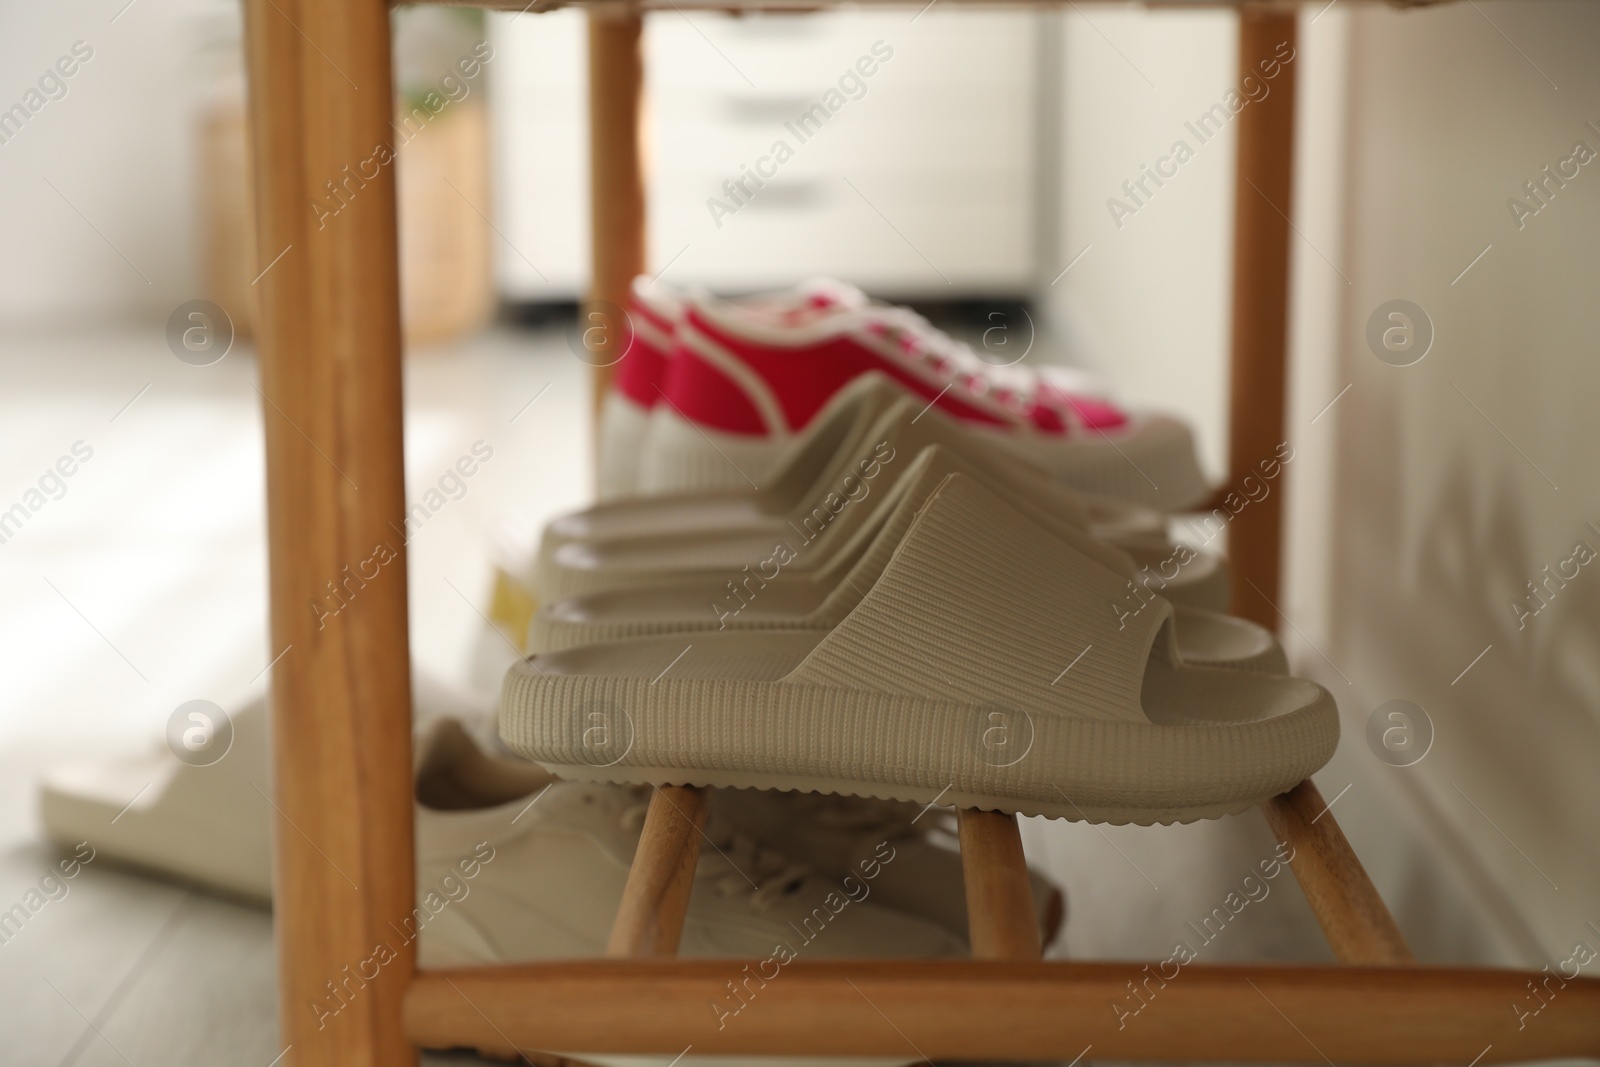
point(512, 608)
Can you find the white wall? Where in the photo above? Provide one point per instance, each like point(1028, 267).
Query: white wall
point(119, 147)
point(1461, 476)
point(1415, 516)
point(1147, 304)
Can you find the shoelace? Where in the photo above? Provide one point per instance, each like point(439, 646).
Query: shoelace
point(880, 820)
point(955, 361)
point(763, 874)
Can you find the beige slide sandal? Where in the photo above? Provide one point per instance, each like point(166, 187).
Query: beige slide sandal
point(982, 669)
point(844, 500)
point(775, 594)
point(814, 465)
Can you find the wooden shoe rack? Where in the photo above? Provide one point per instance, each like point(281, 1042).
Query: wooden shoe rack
point(330, 351)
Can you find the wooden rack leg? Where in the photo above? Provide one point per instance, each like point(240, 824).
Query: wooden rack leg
point(329, 344)
point(1263, 182)
point(1354, 918)
point(616, 181)
point(656, 898)
point(1001, 921)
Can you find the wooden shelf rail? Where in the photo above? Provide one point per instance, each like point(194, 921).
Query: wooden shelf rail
point(982, 1009)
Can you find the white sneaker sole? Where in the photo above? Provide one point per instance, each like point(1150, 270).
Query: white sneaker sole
point(623, 425)
point(679, 456)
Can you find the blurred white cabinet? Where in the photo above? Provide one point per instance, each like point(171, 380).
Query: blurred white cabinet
point(915, 175)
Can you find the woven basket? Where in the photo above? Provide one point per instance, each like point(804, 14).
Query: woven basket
point(446, 281)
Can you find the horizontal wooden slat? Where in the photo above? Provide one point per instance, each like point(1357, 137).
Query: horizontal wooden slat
point(1003, 1009)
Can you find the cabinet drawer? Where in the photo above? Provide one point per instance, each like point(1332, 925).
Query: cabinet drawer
point(891, 231)
point(942, 139)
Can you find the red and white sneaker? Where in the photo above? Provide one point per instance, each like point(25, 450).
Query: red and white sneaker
point(740, 384)
point(655, 311)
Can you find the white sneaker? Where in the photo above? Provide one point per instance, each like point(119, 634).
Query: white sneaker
point(837, 833)
point(554, 856)
point(514, 865)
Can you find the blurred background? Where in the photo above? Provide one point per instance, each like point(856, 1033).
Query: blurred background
point(974, 177)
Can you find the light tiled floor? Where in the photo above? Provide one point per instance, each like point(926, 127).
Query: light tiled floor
point(143, 586)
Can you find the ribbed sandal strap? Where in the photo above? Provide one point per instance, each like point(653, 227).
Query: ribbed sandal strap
point(980, 604)
point(833, 512)
point(926, 474)
point(807, 462)
point(914, 428)
point(859, 566)
point(904, 429)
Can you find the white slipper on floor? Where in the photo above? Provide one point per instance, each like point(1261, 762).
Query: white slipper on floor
point(982, 669)
point(203, 825)
point(783, 593)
